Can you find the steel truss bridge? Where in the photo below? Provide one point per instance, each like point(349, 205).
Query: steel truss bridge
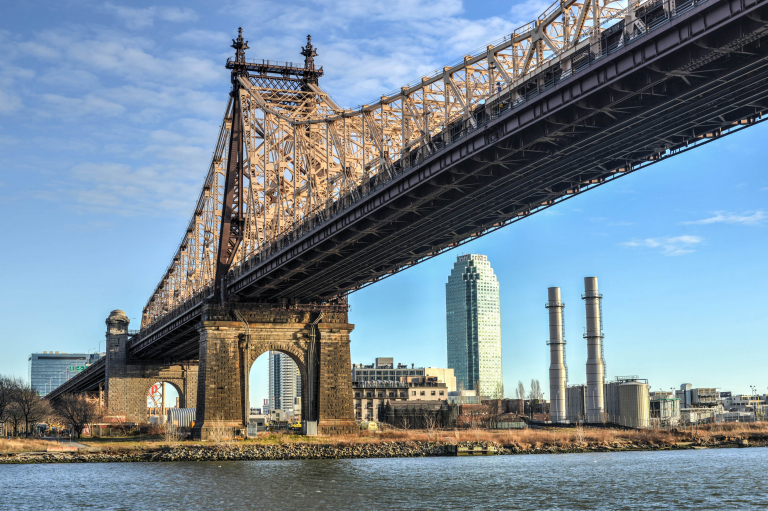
point(306, 201)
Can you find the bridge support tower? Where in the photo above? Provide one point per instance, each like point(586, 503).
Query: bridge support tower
point(232, 337)
point(128, 381)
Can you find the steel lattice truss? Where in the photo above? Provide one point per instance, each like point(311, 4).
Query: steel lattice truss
point(304, 157)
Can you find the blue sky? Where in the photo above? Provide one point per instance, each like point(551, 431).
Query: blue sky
point(109, 113)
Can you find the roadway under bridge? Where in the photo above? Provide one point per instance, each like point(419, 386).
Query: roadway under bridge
point(628, 95)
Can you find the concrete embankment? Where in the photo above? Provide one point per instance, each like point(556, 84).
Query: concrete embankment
point(296, 451)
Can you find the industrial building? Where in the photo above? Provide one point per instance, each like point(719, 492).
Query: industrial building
point(665, 409)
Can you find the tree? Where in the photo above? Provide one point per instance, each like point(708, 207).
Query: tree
point(31, 406)
point(535, 394)
point(8, 388)
point(14, 417)
point(77, 410)
point(520, 391)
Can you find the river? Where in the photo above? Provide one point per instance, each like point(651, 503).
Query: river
point(702, 479)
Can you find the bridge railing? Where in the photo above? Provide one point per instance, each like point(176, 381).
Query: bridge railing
point(328, 211)
point(454, 130)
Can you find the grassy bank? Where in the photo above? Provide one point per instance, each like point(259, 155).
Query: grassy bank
point(528, 439)
point(519, 441)
point(25, 444)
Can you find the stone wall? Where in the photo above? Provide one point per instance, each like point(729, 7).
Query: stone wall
point(321, 352)
point(128, 382)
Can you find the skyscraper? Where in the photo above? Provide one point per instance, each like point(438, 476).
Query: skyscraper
point(474, 325)
point(284, 383)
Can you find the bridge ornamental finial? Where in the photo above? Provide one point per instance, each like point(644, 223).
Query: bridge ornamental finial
point(240, 46)
point(309, 52)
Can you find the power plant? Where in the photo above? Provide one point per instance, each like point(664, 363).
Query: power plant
point(625, 401)
point(557, 369)
point(594, 336)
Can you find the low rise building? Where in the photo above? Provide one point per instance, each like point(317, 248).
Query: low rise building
point(370, 397)
point(384, 369)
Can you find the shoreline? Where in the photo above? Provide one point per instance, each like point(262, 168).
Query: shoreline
point(307, 451)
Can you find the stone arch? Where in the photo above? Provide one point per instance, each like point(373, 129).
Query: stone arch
point(298, 355)
point(128, 396)
point(176, 386)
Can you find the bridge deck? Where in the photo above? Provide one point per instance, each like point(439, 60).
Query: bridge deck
point(697, 77)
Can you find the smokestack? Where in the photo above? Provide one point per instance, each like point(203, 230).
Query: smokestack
point(594, 336)
point(557, 370)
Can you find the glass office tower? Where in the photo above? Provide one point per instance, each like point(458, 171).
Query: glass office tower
point(474, 326)
point(49, 369)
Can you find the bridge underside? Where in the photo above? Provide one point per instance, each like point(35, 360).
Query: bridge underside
point(701, 75)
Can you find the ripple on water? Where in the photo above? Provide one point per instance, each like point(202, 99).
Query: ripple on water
point(703, 479)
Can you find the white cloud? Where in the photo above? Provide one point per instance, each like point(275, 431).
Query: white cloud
point(154, 190)
point(723, 217)
point(9, 103)
point(142, 18)
point(669, 246)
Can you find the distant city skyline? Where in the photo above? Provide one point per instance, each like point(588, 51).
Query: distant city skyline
point(109, 114)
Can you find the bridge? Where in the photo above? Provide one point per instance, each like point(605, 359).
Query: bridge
point(306, 201)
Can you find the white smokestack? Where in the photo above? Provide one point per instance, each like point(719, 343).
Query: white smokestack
point(557, 356)
point(594, 337)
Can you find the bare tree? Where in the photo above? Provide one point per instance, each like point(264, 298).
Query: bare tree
point(14, 417)
point(535, 394)
point(172, 434)
point(8, 387)
point(404, 422)
point(430, 423)
point(77, 410)
point(520, 391)
point(31, 406)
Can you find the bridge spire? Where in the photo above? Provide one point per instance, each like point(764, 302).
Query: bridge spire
point(309, 52)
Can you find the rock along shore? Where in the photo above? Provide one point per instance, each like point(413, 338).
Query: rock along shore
point(305, 451)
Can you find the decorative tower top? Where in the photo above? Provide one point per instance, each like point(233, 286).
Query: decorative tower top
point(240, 46)
point(309, 53)
point(310, 75)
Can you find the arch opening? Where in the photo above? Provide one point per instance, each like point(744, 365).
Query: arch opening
point(160, 397)
point(277, 387)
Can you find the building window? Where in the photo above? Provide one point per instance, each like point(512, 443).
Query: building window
point(422, 393)
point(442, 393)
point(433, 392)
point(357, 394)
point(413, 393)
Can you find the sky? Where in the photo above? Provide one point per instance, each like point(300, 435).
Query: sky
point(109, 114)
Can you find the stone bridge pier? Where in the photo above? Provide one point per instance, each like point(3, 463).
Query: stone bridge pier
point(233, 337)
point(128, 381)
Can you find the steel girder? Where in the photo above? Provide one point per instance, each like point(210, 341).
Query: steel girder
point(685, 83)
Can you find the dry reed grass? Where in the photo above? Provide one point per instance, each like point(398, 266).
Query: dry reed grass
point(25, 444)
point(526, 439)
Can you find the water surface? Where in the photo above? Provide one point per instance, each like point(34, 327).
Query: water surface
point(703, 479)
